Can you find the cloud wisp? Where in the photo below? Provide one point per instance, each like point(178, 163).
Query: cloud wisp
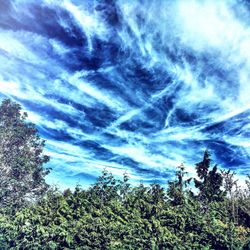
point(136, 86)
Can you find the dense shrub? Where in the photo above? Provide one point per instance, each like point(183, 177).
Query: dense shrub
point(143, 218)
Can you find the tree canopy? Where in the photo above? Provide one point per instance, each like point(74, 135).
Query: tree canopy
point(21, 157)
point(211, 181)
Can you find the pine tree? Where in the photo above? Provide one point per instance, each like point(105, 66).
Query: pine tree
point(21, 158)
point(210, 182)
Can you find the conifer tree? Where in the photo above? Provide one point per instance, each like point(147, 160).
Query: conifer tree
point(210, 182)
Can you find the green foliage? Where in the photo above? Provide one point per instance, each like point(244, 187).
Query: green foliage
point(144, 218)
point(211, 181)
point(242, 199)
point(112, 214)
point(21, 158)
point(176, 188)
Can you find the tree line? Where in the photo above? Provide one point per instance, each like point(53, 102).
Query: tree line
point(113, 214)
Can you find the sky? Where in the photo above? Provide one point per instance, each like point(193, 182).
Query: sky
point(130, 86)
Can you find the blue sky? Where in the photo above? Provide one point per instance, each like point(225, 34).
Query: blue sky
point(135, 86)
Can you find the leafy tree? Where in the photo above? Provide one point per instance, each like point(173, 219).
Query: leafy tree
point(105, 188)
point(231, 187)
point(176, 188)
point(21, 158)
point(242, 198)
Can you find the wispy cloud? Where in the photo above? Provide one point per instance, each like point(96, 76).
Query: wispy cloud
point(136, 86)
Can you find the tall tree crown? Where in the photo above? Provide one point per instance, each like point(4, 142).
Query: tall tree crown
point(21, 157)
point(210, 182)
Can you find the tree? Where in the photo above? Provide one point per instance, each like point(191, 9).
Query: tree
point(231, 187)
point(76, 220)
point(176, 188)
point(21, 158)
point(106, 188)
point(242, 198)
point(210, 182)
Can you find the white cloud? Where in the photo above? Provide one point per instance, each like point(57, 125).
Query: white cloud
point(156, 37)
point(90, 24)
